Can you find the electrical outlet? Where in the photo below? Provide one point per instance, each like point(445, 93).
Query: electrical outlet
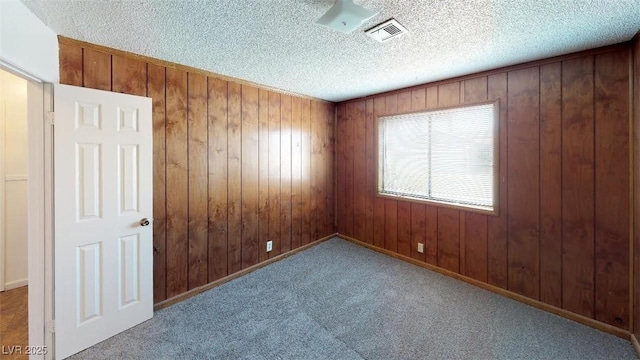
point(420, 248)
point(269, 245)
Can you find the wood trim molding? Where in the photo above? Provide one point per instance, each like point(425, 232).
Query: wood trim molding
point(2, 192)
point(172, 65)
point(636, 345)
point(523, 299)
point(378, 122)
point(596, 51)
point(632, 180)
point(211, 285)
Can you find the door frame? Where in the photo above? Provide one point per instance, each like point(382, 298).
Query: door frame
point(2, 192)
point(39, 211)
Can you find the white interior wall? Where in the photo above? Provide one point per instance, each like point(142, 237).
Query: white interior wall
point(26, 42)
point(13, 95)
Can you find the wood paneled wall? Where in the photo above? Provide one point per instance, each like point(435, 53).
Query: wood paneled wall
point(562, 235)
point(636, 185)
point(234, 165)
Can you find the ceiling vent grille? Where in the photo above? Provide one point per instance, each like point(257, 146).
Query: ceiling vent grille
point(386, 31)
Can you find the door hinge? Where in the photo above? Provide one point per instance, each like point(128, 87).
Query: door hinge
point(51, 117)
point(51, 326)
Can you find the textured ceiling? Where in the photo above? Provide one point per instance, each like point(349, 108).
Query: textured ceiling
point(278, 44)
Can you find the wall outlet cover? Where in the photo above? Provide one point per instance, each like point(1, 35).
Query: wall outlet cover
point(269, 245)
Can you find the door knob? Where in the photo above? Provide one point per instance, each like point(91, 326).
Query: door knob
point(144, 222)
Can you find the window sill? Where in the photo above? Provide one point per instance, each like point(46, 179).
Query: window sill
point(442, 204)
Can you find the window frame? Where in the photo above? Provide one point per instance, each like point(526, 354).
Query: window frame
point(465, 207)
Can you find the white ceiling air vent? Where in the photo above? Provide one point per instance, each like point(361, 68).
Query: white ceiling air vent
point(386, 30)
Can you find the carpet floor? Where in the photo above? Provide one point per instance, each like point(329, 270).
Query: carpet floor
point(338, 300)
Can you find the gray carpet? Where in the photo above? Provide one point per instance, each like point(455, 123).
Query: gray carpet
point(338, 300)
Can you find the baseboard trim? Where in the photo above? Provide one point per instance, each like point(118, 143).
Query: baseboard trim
point(636, 345)
point(16, 284)
point(178, 298)
point(500, 291)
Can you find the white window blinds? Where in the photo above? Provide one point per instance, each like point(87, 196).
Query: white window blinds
point(444, 155)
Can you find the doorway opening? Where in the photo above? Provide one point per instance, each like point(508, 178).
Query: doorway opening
point(34, 171)
point(13, 211)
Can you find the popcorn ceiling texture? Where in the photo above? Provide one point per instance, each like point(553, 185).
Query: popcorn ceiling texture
point(278, 44)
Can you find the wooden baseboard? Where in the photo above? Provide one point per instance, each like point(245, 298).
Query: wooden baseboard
point(523, 299)
point(178, 298)
point(635, 344)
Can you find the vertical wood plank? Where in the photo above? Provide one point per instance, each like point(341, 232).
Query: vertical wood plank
point(305, 118)
point(391, 205)
point(359, 171)
point(449, 94)
point(432, 97)
point(321, 207)
point(476, 246)
point(497, 225)
point(156, 87)
point(578, 186)
point(404, 207)
point(274, 172)
point(234, 177)
point(551, 184)
point(217, 181)
point(218, 215)
point(419, 99)
point(71, 67)
point(250, 182)
point(370, 171)
point(404, 228)
point(129, 76)
point(263, 173)
point(348, 168)
point(391, 225)
point(379, 105)
point(523, 187)
point(340, 169)
point(329, 111)
point(285, 173)
point(97, 70)
point(418, 230)
point(198, 212)
point(612, 188)
point(475, 90)
point(315, 171)
point(296, 173)
point(177, 182)
point(448, 239)
point(330, 123)
point(431, 244)
point(636, 185)
point(462, 237)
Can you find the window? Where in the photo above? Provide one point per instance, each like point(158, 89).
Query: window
point(446, 156)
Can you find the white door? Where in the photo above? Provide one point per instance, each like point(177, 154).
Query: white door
point(103, 190)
